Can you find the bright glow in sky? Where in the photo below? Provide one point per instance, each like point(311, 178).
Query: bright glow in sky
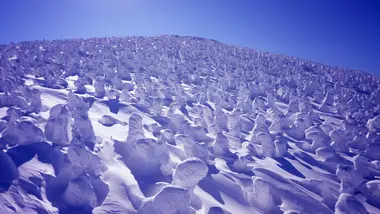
point(343, 33)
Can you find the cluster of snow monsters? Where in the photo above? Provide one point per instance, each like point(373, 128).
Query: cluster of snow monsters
point(212, 103)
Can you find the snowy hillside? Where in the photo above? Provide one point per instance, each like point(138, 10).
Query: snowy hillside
point(178, 125)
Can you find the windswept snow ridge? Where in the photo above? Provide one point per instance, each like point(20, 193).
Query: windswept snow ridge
point(183, 125)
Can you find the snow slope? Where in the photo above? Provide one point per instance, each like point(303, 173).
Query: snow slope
point(183, 125)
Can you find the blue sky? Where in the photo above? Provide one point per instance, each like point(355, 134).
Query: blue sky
point(344, 33)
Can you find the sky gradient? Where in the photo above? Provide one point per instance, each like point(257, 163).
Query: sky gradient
point(341, 33)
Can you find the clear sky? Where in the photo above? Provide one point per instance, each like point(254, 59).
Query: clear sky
point(345, 33)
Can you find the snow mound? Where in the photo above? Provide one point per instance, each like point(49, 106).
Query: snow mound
point(170, 199)
point(58, 127)
point(9, 170)
point(22, 132)
point(349, 204)
point(189, 172)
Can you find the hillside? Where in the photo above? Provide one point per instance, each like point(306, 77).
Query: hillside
point(173, 124)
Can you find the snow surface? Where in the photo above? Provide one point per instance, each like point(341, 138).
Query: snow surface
point(183, 125)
